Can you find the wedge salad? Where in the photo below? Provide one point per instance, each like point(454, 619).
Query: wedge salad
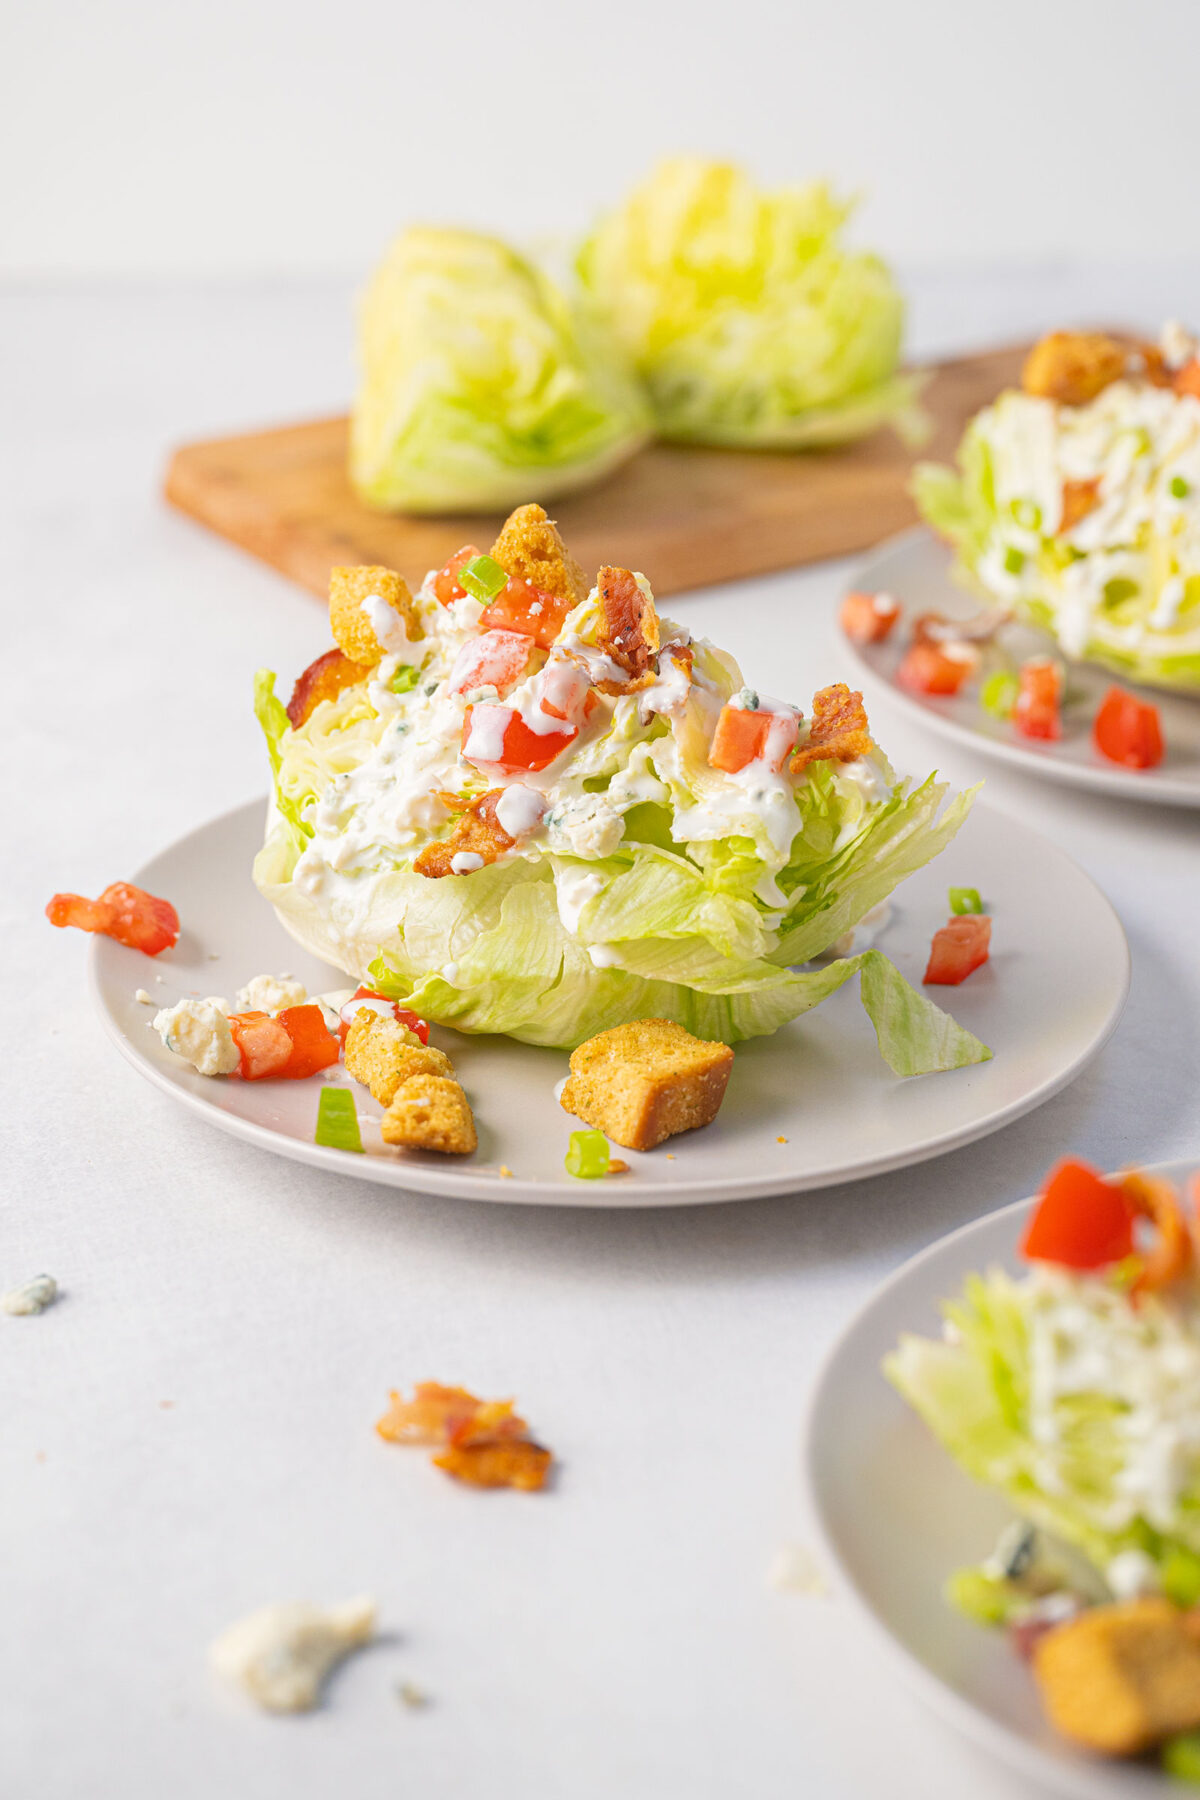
point(521, 802)
point(1072, 1389)
point(1076, 501)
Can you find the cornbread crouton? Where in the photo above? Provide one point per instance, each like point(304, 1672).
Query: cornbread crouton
point(322, 680)
point(839, 730)
point(477, 833)
point(1072, 367)
point(1119, 1678)
point(642, 1083)
point(529, 546)
point(382, 1054)
point(361, 597)
point(629, 628)
point(430, 1112)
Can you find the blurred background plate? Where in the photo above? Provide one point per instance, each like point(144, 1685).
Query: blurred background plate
point(809, 1107)
point(915, 567)
point(897, 1516)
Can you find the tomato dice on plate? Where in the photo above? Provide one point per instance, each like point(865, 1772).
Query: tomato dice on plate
point(960, 946)
point(1081, 1220)
point(1039, 698)
point(293, 1045)
point(868, 618)
point(744, 735)
point(1127, 731)
point(928, 668)
point(446, 586)
point(128, 914)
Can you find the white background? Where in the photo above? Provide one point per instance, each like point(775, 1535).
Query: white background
point(241, 137)
point(189, 196)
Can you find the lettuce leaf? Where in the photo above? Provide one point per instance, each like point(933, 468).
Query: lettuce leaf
point(478, 388)
point(271, 714)
point(748, 321)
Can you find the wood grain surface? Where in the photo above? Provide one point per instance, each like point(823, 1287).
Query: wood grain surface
point(687, 517)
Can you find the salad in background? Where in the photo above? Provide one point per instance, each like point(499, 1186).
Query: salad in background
point(746, 317)
point(521, 802)
point(1076, 502)
point(1074, 1391)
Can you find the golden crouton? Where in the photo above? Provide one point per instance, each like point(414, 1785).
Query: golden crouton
point(1072, 367)
point(381, 1054)
point(1119, 1678)
point(352, 627)
point(643, 1082)
point(430, 1112)
point(529, 546)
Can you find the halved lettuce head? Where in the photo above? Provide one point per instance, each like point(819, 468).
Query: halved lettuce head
point(1074, 1403)
point(748, 321)
point(1120, 585)
point(478, 388)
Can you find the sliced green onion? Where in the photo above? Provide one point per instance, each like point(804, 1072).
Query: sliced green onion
point(1180, 488)
point(337, 1121)
point(1014, 560)
point(1181, 1756)
point(984, 1599)
point(1179, 1574)
point(1027, 513)
point(406, 678)
point(1118, 589)
point(483, 578)
point(998, 695)
point(965, 900)
point(588, 1156)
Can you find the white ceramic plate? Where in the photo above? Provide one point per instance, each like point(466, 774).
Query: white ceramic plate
point(1046, 1002)
point(898, 1516)
point(916, 569)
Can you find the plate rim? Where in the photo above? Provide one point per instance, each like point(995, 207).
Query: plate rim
point(1008, 1745)
point(489, 1186)
point(1122, 784)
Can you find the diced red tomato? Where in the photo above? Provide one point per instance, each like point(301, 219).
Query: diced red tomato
point(496, 737)
point(1187, 379)
point(446, 585)
point(126, 913)
point(928, 668)
point(1039, 697)
point(1081, 1221)
point(868, 618)
point(263, 1044)
point(1128, 731)
point(379, 1003)
point(744, 736)
point(530, 610)
point(960, 946)
point(313, 1044)
point(495, 659)
point(563, 691)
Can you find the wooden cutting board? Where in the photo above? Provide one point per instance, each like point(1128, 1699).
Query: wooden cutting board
point(687, 517)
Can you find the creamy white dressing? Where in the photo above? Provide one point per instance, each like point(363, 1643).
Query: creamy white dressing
point(389, 626)
point(520, 810)
point(573, 888)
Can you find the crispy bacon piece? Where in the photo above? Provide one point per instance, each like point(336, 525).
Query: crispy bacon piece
point(1174, 1252)
point(1079, 498)
point(839, 731)
point(629, 630)
point(430, 1416)
point(476, 831)
point(492, 1422)
point(517, 1463)
point(124, 912)
point(323, 680)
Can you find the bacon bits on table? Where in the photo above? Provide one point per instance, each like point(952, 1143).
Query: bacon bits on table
point(484, 1443)
point(126, 913)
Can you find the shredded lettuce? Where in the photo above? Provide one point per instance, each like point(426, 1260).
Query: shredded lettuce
point(746, 318)
point(1073, 1402)
point(478, 387)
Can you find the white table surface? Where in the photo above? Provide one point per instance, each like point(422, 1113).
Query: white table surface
point(188, 1434)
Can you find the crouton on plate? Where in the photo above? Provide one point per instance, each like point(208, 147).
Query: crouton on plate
point(382, 1054)
point(642, 1083)
point(430, 1112)
point(1120, 1678)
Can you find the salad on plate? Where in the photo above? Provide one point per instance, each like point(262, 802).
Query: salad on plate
point(1075, 504)
point(1073, 1389)
point(519, 801)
